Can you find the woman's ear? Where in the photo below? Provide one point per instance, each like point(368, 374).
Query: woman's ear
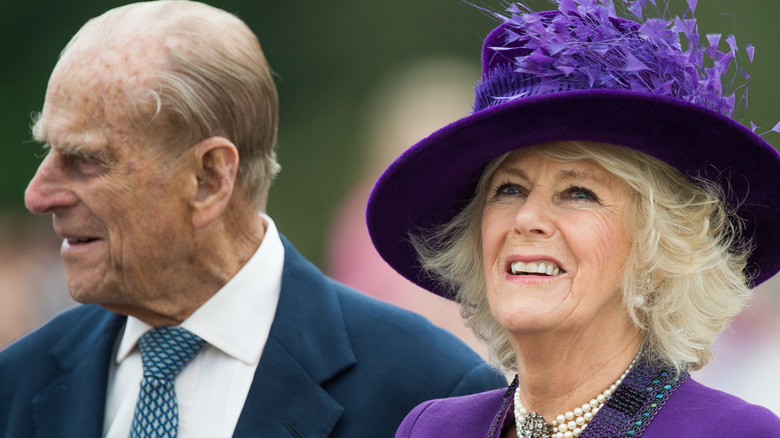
point(217, 167)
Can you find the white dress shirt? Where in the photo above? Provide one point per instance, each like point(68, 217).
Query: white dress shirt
point(212, 388)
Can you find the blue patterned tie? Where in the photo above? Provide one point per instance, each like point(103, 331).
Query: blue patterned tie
point(164, 351)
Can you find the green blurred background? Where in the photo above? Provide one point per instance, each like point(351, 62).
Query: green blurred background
point(329, 56)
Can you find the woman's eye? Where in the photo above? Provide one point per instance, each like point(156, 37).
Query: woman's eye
point(580, 193)
point(508, 189)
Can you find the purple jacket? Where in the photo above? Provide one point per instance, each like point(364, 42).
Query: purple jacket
point(650, 403)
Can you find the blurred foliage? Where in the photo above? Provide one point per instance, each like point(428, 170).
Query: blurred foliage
point(328, 57)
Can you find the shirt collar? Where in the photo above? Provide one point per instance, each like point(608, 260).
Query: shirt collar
point(237, 319)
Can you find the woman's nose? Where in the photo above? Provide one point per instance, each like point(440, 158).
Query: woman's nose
point(47, 192)
point(533, 217)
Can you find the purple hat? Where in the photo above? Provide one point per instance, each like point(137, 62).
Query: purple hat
point(582, 73)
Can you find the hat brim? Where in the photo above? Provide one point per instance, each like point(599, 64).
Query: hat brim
point(430, 182)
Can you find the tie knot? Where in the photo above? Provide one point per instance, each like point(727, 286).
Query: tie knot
point(166, 350)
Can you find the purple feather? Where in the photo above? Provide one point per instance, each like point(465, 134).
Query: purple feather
point(568, 6)
point(713, 39)
point(586, 45)
point(750, 52)
point(732, 40)
point(637, 8)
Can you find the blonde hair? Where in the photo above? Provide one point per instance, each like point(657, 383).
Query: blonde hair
point(214, 80)
point(687, 259)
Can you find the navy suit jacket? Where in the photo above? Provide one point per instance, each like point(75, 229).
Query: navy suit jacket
point(337, 364)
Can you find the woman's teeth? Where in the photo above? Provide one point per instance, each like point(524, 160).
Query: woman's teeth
point(535, 268)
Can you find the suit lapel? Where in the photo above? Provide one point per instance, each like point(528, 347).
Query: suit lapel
point(74, 404)
point(307, 346)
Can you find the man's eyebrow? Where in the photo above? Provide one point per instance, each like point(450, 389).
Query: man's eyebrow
point(71, 149)
point(36, 128)
point(104, 153)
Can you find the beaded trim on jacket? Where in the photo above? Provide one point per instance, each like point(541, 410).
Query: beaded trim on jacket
point(626, 413)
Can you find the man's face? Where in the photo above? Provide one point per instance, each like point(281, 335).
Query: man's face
point(118, 204)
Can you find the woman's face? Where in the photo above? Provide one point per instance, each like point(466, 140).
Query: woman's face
point(567, 220)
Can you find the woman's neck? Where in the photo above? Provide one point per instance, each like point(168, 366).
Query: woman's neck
point(558, 374)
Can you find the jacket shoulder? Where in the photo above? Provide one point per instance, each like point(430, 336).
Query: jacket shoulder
point(695, 410)
point(374, 360)
point(465, 416)
point(382, 337)
point(75, 323)
point(405, 340)
point(31, 364)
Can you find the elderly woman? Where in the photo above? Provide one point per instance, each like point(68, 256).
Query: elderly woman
point(600, 218)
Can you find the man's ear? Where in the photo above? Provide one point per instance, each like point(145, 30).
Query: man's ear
point(217, 166)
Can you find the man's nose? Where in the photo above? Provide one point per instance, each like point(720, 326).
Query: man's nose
point(47, 190)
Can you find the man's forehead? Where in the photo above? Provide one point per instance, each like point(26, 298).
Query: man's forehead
point(93, 93)
point(130, 61)
point(71, 111)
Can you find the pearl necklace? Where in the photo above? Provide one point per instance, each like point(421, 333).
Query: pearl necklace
point(568, 425)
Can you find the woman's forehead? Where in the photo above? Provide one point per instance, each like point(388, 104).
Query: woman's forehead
point(525, 161)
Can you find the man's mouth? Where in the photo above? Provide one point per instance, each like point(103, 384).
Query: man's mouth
point(80, 240)
point(542, 267)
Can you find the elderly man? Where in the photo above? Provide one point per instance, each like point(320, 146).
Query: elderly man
point(199, 318)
